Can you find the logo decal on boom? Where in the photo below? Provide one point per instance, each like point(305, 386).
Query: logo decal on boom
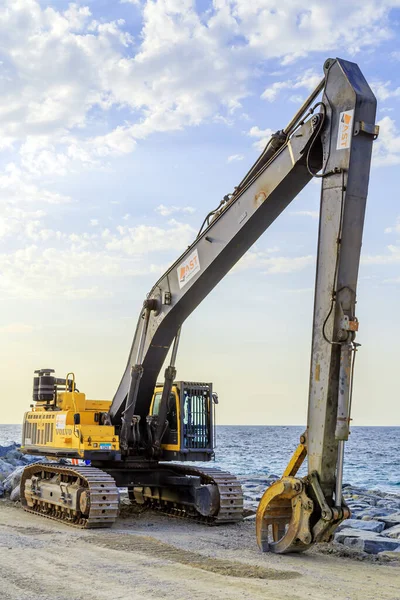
point(188, 269)
point(345, 129)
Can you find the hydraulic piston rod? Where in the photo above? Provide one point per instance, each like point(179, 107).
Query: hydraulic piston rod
point(343, 416)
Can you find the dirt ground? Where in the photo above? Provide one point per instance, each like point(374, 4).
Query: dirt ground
point(149, 556)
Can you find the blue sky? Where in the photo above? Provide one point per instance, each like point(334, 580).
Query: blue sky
point(121, 125)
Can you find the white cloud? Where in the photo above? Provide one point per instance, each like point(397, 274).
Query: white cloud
point(81, 263)
point(386, 149)
point(392, 257)
point(62, 68)
point(16, 188)
point(395, 228)
point(263, 136)
point(145, 239)
point(93, 222)
point(267, 264)
point(235, 157)
point(383, 91)
point(79, 93)
point(314, 214)
point(308, 80)
point(166, 211)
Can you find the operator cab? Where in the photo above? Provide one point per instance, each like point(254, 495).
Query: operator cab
point(190, 432)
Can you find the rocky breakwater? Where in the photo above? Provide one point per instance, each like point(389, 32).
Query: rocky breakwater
point(374, 526)
point(12, 463)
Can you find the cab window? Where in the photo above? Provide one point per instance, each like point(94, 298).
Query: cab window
point(172, 417)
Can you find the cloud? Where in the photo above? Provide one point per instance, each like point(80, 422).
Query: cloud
point(263, 136)
point(392, 257)
point(386, 149)
point(16, 188)
point(314, 214)
point(262, 261)
point(395, 228)
point(145, 239)
point(166, 211)
point(81, 262)
point(383, 91)
point(66, 72)
point(235, 158)
point(308, 80)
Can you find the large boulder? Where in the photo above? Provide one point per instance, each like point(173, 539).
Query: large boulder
point(4, 450)
point(367, 541)
point(393, 532)
point(375, 526)
point(5, 469)
point(15, 494)
point(13, 479)
point(389, 520)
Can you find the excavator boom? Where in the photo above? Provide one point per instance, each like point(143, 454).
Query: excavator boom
point(234, 228)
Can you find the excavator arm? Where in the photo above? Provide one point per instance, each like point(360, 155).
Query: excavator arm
point(295, 513)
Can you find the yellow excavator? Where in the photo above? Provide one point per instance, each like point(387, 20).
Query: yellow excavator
point(148, 437)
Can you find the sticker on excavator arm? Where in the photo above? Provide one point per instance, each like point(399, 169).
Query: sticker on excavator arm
point(345, 129)
point(188, 269)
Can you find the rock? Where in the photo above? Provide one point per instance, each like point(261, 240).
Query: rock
point(358, 507)
point(250, 518)
point(1, 490)
point(375, 513)
point(393, 532)
point(389, 520)
point(6, 449)
point(375, 526)
point(15, 494)
point(13, 455)
point(367, 541)
point(13, 479)
point(5, 469)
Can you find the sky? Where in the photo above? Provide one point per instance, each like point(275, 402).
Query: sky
point(122, 123)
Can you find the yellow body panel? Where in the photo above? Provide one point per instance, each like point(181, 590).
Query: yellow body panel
point(54, 430)
point(158, 390)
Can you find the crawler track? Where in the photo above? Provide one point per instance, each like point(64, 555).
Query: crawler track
point(103, 497)
point(230, 494)
point(103, 503)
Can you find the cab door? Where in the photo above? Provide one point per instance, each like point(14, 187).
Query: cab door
point(170, 439)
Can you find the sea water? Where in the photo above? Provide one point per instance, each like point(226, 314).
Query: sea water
point(371, 455)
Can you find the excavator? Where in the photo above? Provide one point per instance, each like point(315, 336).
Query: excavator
point(150, 435)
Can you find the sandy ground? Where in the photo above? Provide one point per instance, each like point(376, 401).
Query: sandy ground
point(149, 556)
